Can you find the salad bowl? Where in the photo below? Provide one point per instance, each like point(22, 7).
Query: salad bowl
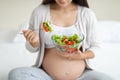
point(68, 44)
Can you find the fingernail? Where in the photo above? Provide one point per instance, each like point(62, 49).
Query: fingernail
point(23, 30)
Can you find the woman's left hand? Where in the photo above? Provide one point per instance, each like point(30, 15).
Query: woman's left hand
point(73, 56)
point(76, 56)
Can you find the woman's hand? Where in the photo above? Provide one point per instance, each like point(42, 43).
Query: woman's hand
point(77, 56)
point(88, 54)
point(32, 37)
point(73, 56)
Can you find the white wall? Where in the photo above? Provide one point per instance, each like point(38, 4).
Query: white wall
point(106, 9)
point(15, 12)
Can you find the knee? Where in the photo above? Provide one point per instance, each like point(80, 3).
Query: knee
point(94, 75)
point(102, 76)
point(105, 77)
point(13, 74)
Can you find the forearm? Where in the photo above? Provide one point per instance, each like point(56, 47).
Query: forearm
point(82, 55)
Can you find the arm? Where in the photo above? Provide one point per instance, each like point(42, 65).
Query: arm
point(82, 55)
point(31, 35)
point(92, 42)
point(32, 40)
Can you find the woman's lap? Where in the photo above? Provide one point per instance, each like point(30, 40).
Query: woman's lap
point(94, 75)
point(28, 73)
point(34, 73)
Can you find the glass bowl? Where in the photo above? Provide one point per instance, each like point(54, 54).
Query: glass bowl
point(68, 44)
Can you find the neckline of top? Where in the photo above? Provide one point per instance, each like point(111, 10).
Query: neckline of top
point(60, 27)
point(75, 24)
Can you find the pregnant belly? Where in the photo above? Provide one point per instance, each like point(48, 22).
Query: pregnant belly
point(60, 68)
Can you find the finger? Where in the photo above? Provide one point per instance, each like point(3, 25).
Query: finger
point(71, 55)
point(79, 50)
point(31, 34)
point(26, 33)
point(63, 54)
point(34, 37)
point(67, 55)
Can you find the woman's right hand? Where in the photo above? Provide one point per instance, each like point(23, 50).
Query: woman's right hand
point(32, 37)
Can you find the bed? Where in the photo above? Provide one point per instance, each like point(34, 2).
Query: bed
point(14, 54)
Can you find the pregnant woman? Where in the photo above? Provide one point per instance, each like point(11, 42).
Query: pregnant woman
point(66, 17)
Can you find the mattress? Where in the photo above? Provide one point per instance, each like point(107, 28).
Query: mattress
point(13, 54)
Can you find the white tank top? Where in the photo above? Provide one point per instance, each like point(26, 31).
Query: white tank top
point(58, 30)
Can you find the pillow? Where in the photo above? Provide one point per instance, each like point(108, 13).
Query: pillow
point(108, 31)
point(19, 38)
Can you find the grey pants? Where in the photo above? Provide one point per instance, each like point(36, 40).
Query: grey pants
point(34, 73)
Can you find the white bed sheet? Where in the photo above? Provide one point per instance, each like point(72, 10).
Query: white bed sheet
point(12, 54)
point(107, 60)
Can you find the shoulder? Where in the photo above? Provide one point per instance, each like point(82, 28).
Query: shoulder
point(40, 9)
point(86, 11)
point(87, 14)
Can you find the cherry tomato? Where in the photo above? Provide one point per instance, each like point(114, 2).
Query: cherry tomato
point(45, 27)
point(69, 43)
